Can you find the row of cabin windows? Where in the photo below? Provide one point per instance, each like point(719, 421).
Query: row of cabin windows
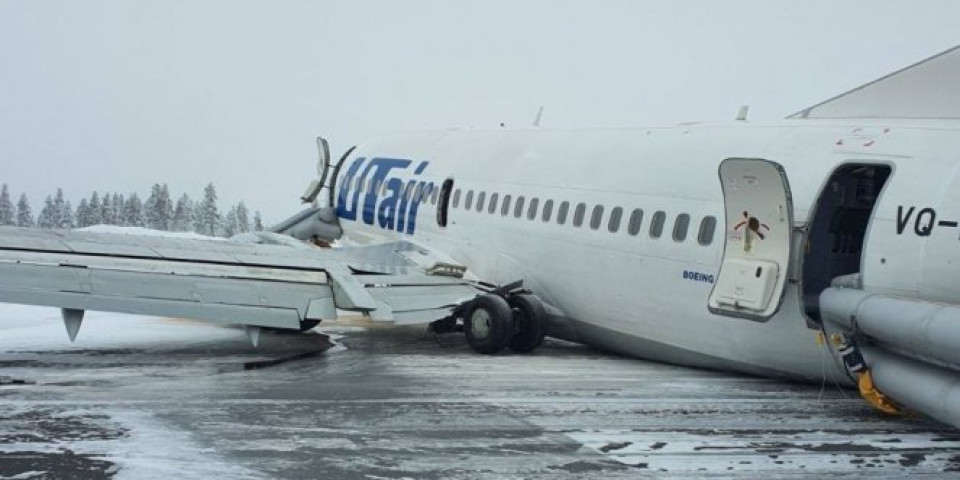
point(520, 208)
point(681, 225)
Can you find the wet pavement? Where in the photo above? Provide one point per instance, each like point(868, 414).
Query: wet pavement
point(149, 398)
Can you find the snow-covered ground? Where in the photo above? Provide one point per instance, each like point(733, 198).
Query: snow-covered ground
point(140, 397)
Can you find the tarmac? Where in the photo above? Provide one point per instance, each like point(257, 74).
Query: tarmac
point(144, 398)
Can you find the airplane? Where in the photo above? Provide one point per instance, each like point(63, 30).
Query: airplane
point(819, 246)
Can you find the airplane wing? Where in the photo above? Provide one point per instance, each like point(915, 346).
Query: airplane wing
point(263, 279)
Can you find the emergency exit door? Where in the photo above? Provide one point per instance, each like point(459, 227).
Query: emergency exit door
point(758, 239)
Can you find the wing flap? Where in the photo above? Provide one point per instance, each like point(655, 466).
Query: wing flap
point(270, 284)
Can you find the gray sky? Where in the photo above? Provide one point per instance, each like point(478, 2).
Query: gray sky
point(117, 95)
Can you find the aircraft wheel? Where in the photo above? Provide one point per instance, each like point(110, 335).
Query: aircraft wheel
point(530, 320)
point(488, 323)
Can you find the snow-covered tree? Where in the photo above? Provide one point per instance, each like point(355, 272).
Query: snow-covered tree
point(106, 210)
point(164, 209)
point(243, 218)
point(83, 214)
point(7, 213)
point(117, 204)
point(133, 211)
point(183, 214)
point(95, 210)
point(231, 225)
point(257, 222)
point(67, 219)
point(47, 214)
point(60, 209)
point(207, 212)
point(24, 213)
point(159, 208)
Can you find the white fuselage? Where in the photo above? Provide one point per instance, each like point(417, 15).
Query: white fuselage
point(625, 290)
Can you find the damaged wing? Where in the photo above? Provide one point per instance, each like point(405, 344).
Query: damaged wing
point(263, 279)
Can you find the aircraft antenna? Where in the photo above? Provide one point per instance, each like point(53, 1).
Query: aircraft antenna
point(536, 120)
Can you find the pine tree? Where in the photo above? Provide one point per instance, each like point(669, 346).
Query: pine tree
point(67, 219)
point(46, 218)
point(133, 211)
point(24, 213)
point(95, 211)
point(164, 209)
point(83, 214)
point(150, 207)
point(6, 207)
point(231, 226)
point(106, 210)
point(257, 222)
point(59, 214)
point(183, 214)
point(210, 220)
point(118, 203)
point(243, 218)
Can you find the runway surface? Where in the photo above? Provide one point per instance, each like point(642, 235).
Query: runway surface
point(144, 398)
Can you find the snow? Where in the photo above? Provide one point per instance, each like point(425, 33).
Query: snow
point(113, 229)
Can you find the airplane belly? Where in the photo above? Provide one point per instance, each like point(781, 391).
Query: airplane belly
point(645, 308)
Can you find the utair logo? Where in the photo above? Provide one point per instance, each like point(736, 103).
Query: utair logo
point(366, 181)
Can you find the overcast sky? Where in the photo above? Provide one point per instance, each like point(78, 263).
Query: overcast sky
point(117, 95)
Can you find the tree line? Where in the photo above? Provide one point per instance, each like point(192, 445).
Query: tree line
point(158, 212)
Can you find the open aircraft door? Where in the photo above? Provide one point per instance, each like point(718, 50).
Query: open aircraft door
point(758, 239)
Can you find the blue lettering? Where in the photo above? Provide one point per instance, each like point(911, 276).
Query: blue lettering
point(345, 210)
point(398, 210)
point(698, 276)
point(386, 214)
point(383, 167)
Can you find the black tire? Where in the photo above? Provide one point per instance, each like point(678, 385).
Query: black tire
point(488, 324)
point(530, 323)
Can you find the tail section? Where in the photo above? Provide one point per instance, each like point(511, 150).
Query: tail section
point(927, 89)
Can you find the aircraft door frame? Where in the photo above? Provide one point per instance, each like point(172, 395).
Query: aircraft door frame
point(758, 239)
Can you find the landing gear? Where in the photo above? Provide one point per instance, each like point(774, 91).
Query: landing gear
point(492, 322)
point(528, 322)
point(488, 324)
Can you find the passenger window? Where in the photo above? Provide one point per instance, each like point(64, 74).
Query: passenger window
point(597, 217)
point(615, 215)
point(707, 227)
point(518, 208)
point(656, 226)
point(636, 221)
point(456, 198)
point(506, 205)
point(433, 200)
point(493, 203)
point(562, 212)
point(532, 211)
point(680, 227)
point(418, 192)
point(480, 198)
point(547, 210)
point(578, 214)
point(408, 192)
point(468, 202)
